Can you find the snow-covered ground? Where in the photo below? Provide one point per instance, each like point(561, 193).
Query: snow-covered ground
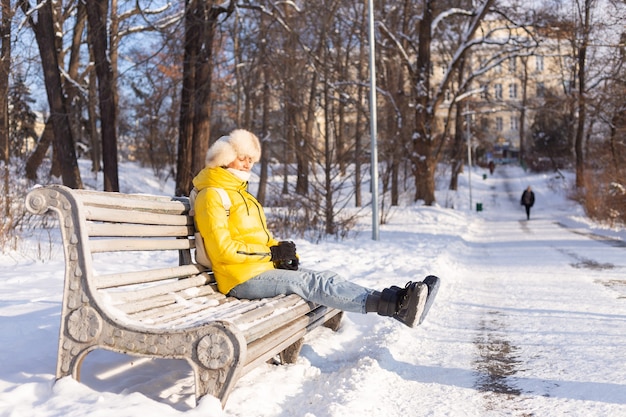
point(530, 320)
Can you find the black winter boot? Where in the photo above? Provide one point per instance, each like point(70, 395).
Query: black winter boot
point(432, 282)
point(404, 304)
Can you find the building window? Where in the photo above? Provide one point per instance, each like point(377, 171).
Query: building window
point(539, 63)
point(514, 123)
point(512, 64)
point(497, 91)
point(499, 124)
point(484, 123)
point(512, 90)
point(483, 91)
point(541, 90)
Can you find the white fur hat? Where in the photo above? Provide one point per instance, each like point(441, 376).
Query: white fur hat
point(226, 149)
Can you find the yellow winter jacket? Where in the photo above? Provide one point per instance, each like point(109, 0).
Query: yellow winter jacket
point(237, 244)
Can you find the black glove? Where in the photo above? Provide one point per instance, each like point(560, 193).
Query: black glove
point(284, 251)
point(290, 264)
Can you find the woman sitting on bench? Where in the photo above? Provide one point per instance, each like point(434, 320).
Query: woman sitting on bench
point(249, 263)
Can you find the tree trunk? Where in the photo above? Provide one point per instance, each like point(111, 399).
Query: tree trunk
point(265, 133)
point(457, 158)
point(426, 147)
point(457, 149)
point(289, 124)
point(304, 145)
point(63, 139)
point(202, 88)
point(522, 116)
point(425, 180)
point(582, 106)
point(200, 23)
point(360, 118)
point(421, 156)
point(97, 14)
point(329, 221)
point(72, 83)
point(34, 160)
point(92, 129)
point(5, 68)
point(183, 163)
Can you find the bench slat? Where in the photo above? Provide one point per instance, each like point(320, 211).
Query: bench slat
point(181, 301)
point(195, 311)
point(149, 203)
point(154, 275)
point(254, 320)
point(119, 245)
point(125, 297)
point(263, 349)
point(271, 307)
point(141, 230)
point(129, 215)
point(261, 329)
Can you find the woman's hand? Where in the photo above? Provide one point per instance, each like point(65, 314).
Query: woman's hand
point(284, 251)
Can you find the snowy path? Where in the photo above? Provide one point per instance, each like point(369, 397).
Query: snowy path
point(537, 294)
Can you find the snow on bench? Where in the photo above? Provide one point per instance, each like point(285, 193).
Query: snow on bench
point(172, 312)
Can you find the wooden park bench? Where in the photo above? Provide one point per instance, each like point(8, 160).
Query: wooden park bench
point(166, 311)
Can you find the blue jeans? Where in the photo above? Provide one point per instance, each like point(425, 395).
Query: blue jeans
point(326, 288)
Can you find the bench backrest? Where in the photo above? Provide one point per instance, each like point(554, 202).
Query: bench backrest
point(94, 222)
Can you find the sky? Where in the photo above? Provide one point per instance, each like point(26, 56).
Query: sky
point(530, 319)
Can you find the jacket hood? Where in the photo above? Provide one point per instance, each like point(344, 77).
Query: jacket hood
point(238, 143)
point(218, 177)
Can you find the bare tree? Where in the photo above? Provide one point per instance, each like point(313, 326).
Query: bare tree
point(43, 27)
point(424, 145)
point(5, 68)
point(266, 110)
point(200, 25)
point(71, 87)
point(457, 150)
point(584, 17)
point(97, 15)
point(156, 109)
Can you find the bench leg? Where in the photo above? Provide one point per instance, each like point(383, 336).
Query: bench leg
point(80, 331)
point(290, 355)
point(217, 360)
point(334, 323)
point(70, 358)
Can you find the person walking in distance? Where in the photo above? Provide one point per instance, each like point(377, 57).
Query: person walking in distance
point(528, 199)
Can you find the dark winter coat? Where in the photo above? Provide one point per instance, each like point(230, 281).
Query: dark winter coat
point(528, 198)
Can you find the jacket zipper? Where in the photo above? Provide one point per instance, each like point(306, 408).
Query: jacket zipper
point(240, 252)
point(258, 208)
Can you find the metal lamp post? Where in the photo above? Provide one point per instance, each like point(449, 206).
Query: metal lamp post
point(469, 153)
point(468, 134)
point(374, 146)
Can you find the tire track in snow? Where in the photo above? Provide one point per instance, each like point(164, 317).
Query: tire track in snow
point(497, 360)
